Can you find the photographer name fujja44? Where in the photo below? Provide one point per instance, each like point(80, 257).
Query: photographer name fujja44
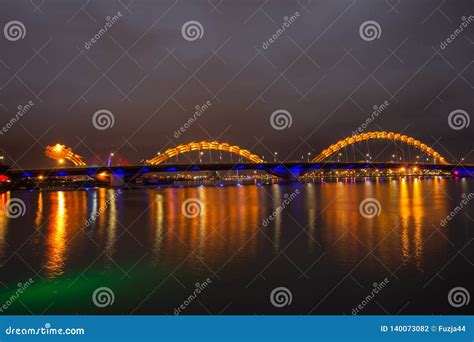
point(450, 329)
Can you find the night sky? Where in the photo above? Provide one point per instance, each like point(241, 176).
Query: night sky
point(151, 78)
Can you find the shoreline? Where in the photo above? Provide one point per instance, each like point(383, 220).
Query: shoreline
point(225, 183)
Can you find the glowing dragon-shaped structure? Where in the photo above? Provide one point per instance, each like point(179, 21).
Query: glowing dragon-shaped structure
point(61, 153)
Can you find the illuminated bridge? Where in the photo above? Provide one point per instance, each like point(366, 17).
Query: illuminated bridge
point(336, 156)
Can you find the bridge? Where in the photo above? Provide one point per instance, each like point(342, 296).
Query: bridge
point(120, 175)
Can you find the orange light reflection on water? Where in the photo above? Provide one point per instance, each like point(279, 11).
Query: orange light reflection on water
point(3, 224)
point(229, 216)
point(57, 235)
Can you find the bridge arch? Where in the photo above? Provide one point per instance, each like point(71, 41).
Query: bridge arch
point(201, 146)
point(379, 135)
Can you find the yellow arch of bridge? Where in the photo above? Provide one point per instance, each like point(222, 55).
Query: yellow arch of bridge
point(204, 145)
point(379, 135)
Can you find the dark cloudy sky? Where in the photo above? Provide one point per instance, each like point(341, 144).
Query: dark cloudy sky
point(150, 78)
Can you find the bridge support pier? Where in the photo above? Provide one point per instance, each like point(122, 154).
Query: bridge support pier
point(117, 179)
point(291, 174)
point(467, 171)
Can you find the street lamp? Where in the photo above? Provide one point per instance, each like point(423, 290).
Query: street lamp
point(275, 157)
point(309, 156)
point(109, 161)
point(2, 158)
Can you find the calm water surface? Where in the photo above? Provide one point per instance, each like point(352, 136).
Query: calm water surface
point(319, 247)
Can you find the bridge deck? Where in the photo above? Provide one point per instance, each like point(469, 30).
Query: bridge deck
point(269, 167)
